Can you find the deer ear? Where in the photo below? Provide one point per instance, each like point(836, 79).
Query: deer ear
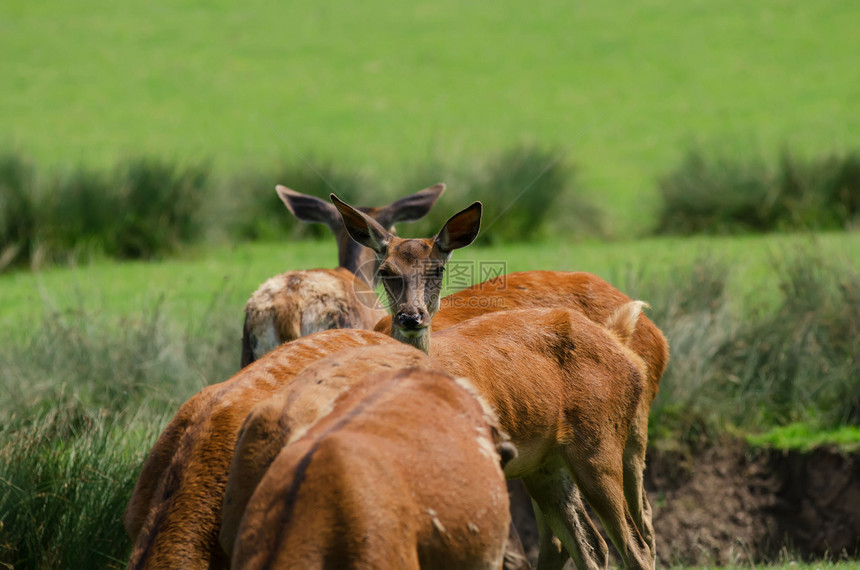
point(361, 227)
point(410, 208)
point(460, 230)
point(309, 209)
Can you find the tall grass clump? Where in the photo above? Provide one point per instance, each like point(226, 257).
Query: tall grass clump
point(159, 207)
point(141, 209)
point(724, 195)
point(84, 400)
point(17, 209)
point(64, 483)
point(526, 191)
point(799, 362)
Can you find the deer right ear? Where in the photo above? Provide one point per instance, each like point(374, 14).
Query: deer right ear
point(410, 208)
point(460, 230)
point(361, 227)
point(309, 209)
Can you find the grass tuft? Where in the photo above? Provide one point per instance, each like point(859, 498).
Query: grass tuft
point(725, 195)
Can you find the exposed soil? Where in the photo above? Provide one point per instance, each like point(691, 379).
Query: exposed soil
point(731, 504)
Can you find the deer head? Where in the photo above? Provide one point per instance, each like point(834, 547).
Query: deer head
point(411, 270)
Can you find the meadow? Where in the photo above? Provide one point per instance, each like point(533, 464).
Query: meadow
point(375, 100)
point(93, 365)
point(620, 89)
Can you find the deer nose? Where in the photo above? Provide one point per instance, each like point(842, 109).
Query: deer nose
point(410, 320)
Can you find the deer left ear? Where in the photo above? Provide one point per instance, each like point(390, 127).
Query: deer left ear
point(460, 230)
point(309, 209)
point(361, 227)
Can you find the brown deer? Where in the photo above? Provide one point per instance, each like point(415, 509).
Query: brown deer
point(596, 299)
point(359, 464)
point(298, 303)
point(412, 283)
point(174, 515)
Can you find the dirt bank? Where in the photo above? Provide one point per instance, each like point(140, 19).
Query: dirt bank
point(733, 504)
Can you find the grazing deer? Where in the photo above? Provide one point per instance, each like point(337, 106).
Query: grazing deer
point(298, 303)
point(597, 300)
point(174, 515)
point(411, 271)
point(362, 464)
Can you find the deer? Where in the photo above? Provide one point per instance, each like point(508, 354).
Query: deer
point(298, 303)
point(411, 272)
point(596, 299)
point(373, 457)
point(174, 515)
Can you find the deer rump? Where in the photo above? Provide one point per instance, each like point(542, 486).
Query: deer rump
point(174, 514)
point(400, 470)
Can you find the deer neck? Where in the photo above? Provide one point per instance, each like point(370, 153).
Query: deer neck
point(360, 260)
point(421, 342)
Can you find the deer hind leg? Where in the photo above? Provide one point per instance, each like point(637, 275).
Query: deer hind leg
point(552, 551)
point(600, 478)
point(634, 484)
point(559, 509)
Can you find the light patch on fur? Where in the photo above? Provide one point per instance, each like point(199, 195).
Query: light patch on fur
point(486, 447)
point(323, 298)
point(310, 416)
point(263, 298)
point(434, 517)
point(623, 320)
point(473, 528)
point(489, 411)
point(530, 455)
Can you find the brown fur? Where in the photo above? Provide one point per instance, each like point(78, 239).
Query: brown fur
point(599, 301)
point(174, 514)
point(567, 391)
point(417, 289)
point(400, 471)
point(285, 416)
point(298, 303)
point(178, 497)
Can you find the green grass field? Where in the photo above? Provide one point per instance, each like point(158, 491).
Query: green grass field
point(188, 286)
point(96, 357)
point(623, 89)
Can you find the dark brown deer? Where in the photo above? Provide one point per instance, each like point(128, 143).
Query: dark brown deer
point(298, 303)
point(361, 465)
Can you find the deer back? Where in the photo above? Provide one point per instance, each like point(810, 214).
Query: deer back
point(553, 376)
point(581, 291)
point(401, 473)
point(287, 415)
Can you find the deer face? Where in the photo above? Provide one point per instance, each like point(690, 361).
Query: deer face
point(411, 270)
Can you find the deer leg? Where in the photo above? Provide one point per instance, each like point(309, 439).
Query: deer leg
point(515, 555)
point(600, 478)
point(560, 510)
point(552, 551)
point(634, 483)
